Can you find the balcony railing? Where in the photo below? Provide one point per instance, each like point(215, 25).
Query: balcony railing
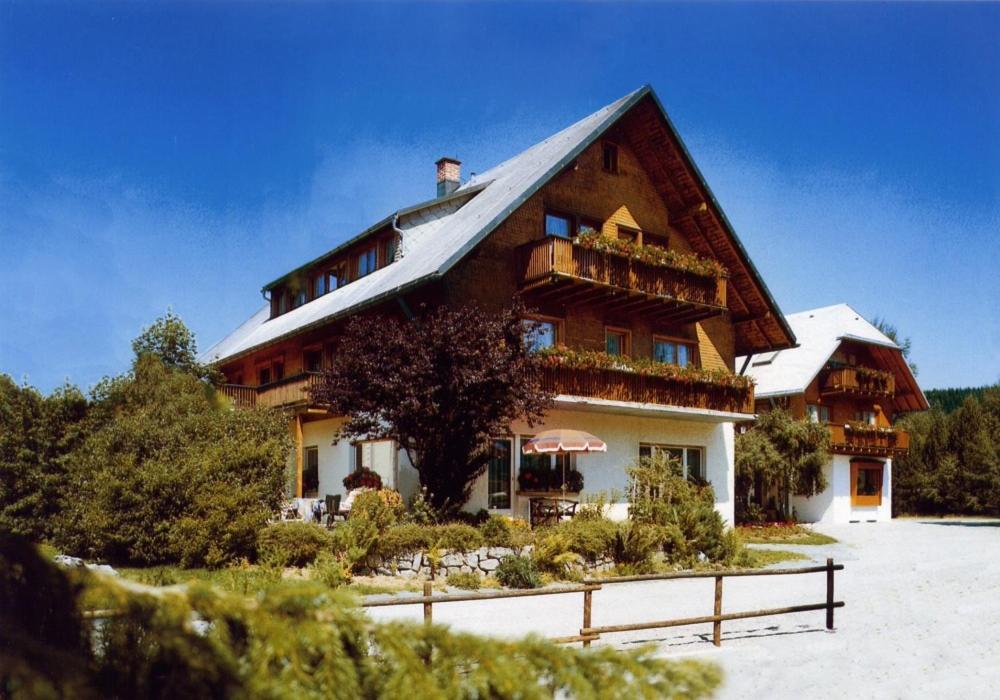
point(290, 391)
point(875, 442)
point(623, 385)
point(858, 382)
point(559, 267)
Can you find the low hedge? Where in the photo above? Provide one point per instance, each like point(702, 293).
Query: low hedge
point(293, 543)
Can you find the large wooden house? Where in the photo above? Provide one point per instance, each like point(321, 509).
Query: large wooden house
point(608, 230)
point(849, 376)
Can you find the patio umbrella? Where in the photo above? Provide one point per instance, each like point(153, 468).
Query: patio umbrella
point(562, 441)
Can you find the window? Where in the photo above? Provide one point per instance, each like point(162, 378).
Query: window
point(282, 300)
point(390, 250)
point(589, 227)
point(498, 475)
point(310, 473)
point(540, 334)
point(865, 417)
point(278, 369)
point(691, 459)
point(673, 352)
point(335, 279)
point(866, 483)
point(298, 298)
point(610, 158)
point(558, 225)
point(550, 468)
point(367, 262)
point(312, 360)
point(616, 341)
point(628, 234)
point(264, 375)
point(656, 240)
point(319, 286)
point(817, 413)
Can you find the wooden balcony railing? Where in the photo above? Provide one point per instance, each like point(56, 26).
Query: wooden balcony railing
point(845, 440)
point(557, 266)
point(852, 380)
point(623, 385)
point(290, 391)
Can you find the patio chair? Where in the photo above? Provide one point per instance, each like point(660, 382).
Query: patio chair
point(332, 508)
point(566, 509)
point(544, 511)
point(290, 510)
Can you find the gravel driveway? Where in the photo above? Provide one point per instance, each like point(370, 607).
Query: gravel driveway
point(922, 617)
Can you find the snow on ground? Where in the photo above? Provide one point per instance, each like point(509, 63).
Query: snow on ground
point(922, 617)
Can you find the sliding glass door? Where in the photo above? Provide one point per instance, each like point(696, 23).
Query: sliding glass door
point(499, 475)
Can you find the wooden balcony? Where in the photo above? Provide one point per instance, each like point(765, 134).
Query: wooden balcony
point(288, 392)
point(624, 385)
point(554, 269)
point(847, 441)
point(849, 381)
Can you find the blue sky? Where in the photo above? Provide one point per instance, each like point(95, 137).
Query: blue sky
point(180, 155)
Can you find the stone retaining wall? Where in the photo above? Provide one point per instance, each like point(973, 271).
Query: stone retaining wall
point(484, 561)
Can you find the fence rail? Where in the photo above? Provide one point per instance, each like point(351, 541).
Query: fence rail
point(589, 632)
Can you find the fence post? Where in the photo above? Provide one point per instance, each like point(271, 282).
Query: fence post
point(829, 594)
point(717, 625)
point(587, 601)
point(428, 590)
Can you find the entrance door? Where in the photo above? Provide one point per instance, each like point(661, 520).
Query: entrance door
point(498, 478)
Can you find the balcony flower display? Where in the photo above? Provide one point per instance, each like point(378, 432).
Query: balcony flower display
point(856, 426)
point(652, 255)
point(874, 379)
point(559, 356)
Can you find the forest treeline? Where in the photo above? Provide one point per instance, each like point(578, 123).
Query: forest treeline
point(953, 465)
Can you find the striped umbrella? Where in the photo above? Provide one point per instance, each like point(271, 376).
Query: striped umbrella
point(562, 441)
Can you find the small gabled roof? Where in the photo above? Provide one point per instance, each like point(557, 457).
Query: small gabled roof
point(820, 333)
point(439, 233)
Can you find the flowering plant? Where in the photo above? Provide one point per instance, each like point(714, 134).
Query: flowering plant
point(363, 478)
point(858, 426)
point(652, 255)
point(559, 356)
point(877, 379)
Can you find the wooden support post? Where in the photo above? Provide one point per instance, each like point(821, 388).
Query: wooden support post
point(717, 625)
point(829, 594)
point(299, 456)
point(428, 591)
point(587, 601)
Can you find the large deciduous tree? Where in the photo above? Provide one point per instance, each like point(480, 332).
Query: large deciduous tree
point(783, 453)
point(440, 385)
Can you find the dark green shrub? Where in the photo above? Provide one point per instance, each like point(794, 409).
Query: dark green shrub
point(457, 537)
point(468, 580)
point(408, 538)
point(382, 508)
point(591, 538)
point(496, 532)
point(475, 519)
point(518, 572)
point(421, 511)
point(660, 496)
point(293, 543)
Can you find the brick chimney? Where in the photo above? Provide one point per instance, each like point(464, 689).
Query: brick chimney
point(449, 175)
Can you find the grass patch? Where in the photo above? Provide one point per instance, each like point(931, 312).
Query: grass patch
point(759, 558)
point(782, 534)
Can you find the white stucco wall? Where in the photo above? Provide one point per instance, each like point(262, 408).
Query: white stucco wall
point(833, 505)
point(605, 472)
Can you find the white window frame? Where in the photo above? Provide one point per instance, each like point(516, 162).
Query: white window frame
point(656, 447)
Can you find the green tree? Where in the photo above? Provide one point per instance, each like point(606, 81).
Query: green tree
point(783, 453)
point(168, 339)
point(36, 433)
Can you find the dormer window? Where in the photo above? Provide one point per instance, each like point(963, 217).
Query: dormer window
point(282, 301)
point(319, 286)
point(335, 279)
point(367, 261)
point(298, 298)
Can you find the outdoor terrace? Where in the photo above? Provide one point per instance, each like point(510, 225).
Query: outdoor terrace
point(857, 381)
point(290, 391)
point(634, 387)
point(876, 442)
point(556, 269)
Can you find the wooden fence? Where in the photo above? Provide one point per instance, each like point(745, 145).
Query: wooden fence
point(589, 633)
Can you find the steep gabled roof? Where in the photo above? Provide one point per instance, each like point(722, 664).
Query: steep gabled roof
point(439, 233)
point(820, 333)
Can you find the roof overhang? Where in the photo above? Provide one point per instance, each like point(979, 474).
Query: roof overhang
point(649, 410)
